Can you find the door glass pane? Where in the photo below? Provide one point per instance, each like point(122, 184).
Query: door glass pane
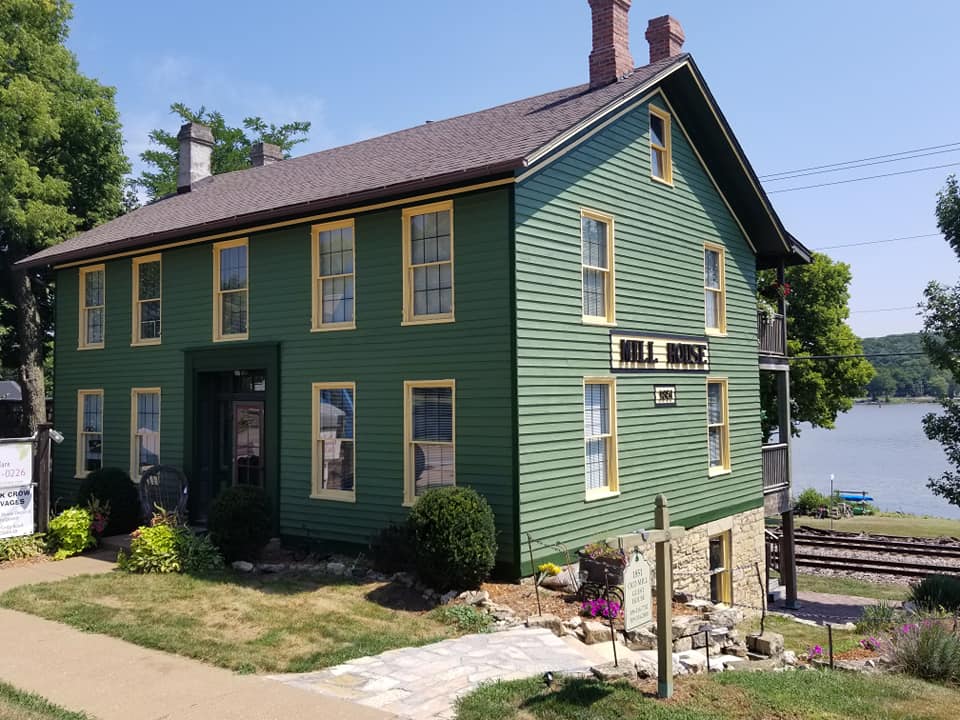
point(248, 442)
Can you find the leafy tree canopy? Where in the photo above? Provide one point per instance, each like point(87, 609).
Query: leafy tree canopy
point(905, 375)
point(231, 148)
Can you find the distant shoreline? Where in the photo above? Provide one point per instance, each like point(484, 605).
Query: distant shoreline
point(919, 400)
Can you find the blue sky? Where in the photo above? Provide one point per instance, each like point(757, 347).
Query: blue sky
point(802, 84)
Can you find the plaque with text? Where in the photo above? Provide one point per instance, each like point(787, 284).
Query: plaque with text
point(658, 353)
point(637, 593)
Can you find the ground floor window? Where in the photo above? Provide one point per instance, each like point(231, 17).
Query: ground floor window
point(600, 435)
point(144, 430)
point(430, 437)
point(334, 410)
point(89, 431)
point(721, 573)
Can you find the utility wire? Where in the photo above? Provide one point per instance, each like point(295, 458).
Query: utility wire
point(863, 355)
point(861, 165)
point(905, 307)
point(850, 162)
point(867, 177)
point(877, 242)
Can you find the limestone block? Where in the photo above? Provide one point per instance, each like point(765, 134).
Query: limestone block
point(770, 644)
point(595, 632)
point(642, 639)
point(553, 623)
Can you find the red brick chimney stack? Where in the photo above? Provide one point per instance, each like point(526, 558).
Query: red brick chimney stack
point(665, 36)
point(610, 58)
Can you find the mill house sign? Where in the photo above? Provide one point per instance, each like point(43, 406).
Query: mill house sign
point(658, 353)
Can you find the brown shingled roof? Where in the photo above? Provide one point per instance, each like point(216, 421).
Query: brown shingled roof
point(480, 144)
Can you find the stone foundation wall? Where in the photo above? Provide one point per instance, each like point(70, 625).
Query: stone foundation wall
point(691, 562)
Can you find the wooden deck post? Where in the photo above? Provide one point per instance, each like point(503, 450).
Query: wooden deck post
point(41, 476)
point(664, 601)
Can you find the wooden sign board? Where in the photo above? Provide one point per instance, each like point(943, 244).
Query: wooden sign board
point(637, 593)
point(658, 353)
point(665, 395)
point(16, 489)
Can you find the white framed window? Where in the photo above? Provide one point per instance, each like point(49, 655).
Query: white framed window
point(334, 289)
point(230, 290)
point(714, 290)
point(718, 426)
point(147, 279)
point(430, 454)
point(428, 278)
point(600, 437)
point(93, 301)
point(144, 430)
point(596, 257)
point(89, 431)
point(334, 441)
point(661, 152)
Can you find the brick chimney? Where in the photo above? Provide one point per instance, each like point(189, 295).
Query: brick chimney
point(665, 36)
point(610, 58)
point(196, 147)
point(264, 153)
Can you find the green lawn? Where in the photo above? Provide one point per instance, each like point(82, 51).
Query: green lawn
point(806, 695)
point(244, 623)
point(800, 637)
point(851, 586)
point(18, 705)
point(889, 524)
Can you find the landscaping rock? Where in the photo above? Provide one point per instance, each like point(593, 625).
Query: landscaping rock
point(336, 568)
point(737, 650)
point(695, 662)
point(610, 671)
point(474, 597)
point(404, 578)
point(683, 644)
point(563, 581)
point(727, 617)
point(790, 657)
point(646, 668)
point(551, 622)
point(574, 622)
point(701, 605)
point(641, 639)
point(682, 597)
point(448, 597)
point(770, 644)
point(271, 567)
point(594, 632)
point(242, 566)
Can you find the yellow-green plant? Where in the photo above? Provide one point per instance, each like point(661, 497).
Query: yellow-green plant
point(70, 533)
point(550, 569)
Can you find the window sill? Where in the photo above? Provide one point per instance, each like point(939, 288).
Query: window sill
point(333, 327)
point(145, 343)
point(718, 471)
point(600, 494)
point(662, 181)
point(335, 495)
point(99, 346)
point(714, 332)
point(428, 321)
point(231, 338)
point(598, 322)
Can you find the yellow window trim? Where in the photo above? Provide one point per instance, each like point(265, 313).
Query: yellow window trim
point(408, 318)
point(726, 467)
point(721, 291)
point(218, 335)
point(609, 319)
point(667, 149)
point(80, 472)
point(316, 323)
point(612, 488)
point(134, 394)
point(82, 343)
point(726, 584)
point(135, 339)
point(316, 491)
point(409, 491)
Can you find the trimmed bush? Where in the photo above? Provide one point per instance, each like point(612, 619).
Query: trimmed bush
point(391, 549)
point(113, 485)
point(937, 592)
point(810, 501)
point(70, 534)
point(164, 548)
point(927, 650)
point(27, 546)
point(240, 522)
point(463, 617)
point(455, 541)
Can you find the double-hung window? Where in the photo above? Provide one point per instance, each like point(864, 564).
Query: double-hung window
point(596, 250)
point(428, 263)
point(718, 426)
point(89, 431)
point(144, 430)
point(333, 276)
point(230, 290)
point(714, 292)
point(600, 436)
point(93, 298)
point(661, 161)
point(146, 300)
point(430, 458)
point(334, 412)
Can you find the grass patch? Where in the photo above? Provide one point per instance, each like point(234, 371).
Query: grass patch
point(463, 617)
point(851, 586)
point(890, 524)
point(800, 637)
point(243, 623)
point(18, 705)
point(729, 696)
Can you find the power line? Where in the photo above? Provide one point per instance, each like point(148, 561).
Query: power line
point(861, 165)
point(893, 309)
point(862, 355)
point(877, 242)
point(867, 177)
point(850, 162)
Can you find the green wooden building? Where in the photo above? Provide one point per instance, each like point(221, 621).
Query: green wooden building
point(552, 301)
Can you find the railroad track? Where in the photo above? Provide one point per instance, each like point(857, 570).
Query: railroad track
point(875, 545)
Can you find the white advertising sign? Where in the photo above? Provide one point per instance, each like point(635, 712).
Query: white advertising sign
point(16, 489)
point(637, 593)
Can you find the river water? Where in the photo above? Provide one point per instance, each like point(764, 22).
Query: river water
point(881, 450)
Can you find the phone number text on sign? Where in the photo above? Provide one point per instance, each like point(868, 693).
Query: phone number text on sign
point(16, 500)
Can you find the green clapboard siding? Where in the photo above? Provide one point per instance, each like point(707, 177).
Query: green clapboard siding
point(378, 356)
point(659, 239)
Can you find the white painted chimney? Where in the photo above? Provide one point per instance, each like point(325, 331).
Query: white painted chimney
point(196, 149)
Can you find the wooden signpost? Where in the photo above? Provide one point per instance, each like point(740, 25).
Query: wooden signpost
point(663, 535)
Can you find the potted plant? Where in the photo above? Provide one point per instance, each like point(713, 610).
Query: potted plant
point(600, 563)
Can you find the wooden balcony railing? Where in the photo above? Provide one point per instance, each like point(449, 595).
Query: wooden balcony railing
point(776, 475)
point(772, 332)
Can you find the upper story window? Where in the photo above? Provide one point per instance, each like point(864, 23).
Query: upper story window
point(718, 426)
point(146, 300)
point(428, 263)
point(230, 290)
point(89, 431)
point(334, 410)
point(596, 233)
point(429, 428)
point(661, 160)
point(144, 430)
point(93, 297)
point(333, 280)
point(600, 436)
point(714, 291)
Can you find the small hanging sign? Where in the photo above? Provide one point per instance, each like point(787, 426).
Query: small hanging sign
point(16, 489)
point(664, 395)
point(637, 593)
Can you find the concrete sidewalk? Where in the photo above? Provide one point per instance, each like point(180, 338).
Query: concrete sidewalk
point(110, 679)
point(824, 607)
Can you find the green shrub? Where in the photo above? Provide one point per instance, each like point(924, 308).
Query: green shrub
point(937, 592)
point(165, 548)
point(113, 486)
point(70, 533)
point(27, 546)
point(391, 549)
point(455, 540)
point(877, 618)
point(240, 522)
point(463, 617)
point(810, 501)
point(927, 650)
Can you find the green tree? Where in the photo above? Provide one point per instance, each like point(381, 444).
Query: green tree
point(883, 384)
point(61, 170)
point(816, 325)
point(231, 149)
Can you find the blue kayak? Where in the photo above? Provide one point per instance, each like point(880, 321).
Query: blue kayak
point(855, 497)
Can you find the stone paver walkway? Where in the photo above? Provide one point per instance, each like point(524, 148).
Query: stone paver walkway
point(424, 682)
